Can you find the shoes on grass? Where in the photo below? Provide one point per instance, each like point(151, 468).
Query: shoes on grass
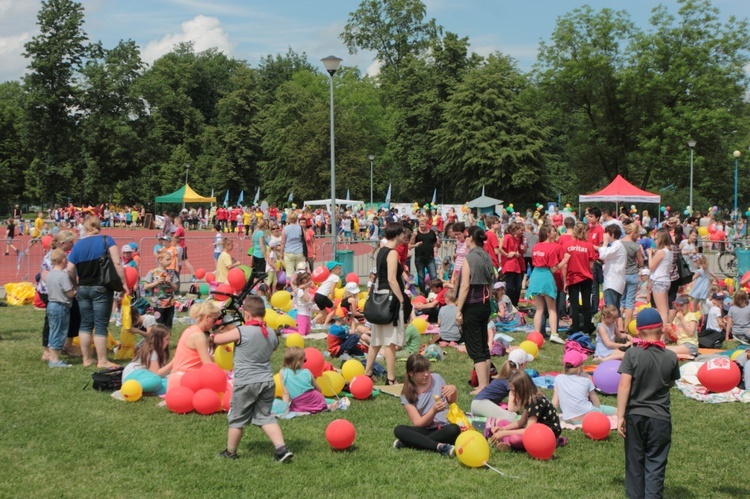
point(398, 444)
point(283, 455)
point(555, 338)
point(228, 455)
point(446, 450)
point(59, 363)
point(503, 446)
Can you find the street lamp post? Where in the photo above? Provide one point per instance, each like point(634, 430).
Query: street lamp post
point(372, 158)
point(331, 64)
point(737, 155)
point(691, 145)
point(187, 170)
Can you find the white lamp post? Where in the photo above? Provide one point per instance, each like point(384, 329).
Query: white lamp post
point(691, 145)
point(187, 170)
point(736, 155)
point(331, 64)
point(372, 158)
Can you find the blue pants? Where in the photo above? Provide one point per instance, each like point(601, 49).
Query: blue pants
point(425, 262)
point(58, 315)
point(350, 345)
point(647, 444)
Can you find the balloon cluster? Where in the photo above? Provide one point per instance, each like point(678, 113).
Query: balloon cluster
point(204, 390)
point(665, 211)
point(509, 209)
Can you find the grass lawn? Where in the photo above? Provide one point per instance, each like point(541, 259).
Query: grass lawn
point(61, 440)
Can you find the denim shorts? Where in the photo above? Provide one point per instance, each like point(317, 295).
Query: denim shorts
point(631, 288)
point(95, 304)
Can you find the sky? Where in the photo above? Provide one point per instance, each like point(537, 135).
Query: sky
point(252, 29)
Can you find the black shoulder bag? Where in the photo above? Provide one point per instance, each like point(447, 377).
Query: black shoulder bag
point(379, 307)
point(107, 273)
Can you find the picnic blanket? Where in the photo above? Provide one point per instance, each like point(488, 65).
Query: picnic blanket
point(689, 385)
point(567, 426)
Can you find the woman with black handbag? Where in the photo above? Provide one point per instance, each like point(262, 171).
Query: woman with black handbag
point(389, 280)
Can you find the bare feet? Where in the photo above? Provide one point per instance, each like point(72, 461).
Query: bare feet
point(107, 365)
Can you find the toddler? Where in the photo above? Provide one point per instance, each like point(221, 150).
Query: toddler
point(699, 293)
point(643, 294)
point(162, 282)
point(575, 393)
point(60, 293)
point(302, 301)
point(254, 388)
point(299, 388)
point(450, 331)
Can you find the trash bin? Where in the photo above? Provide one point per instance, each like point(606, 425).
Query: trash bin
point(346, 259)
point(743, 261)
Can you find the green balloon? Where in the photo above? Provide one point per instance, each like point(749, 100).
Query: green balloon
point(204, 288)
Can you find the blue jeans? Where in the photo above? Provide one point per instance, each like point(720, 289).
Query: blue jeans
point(631, 288)
point(95, 303)
point(58, 315)
point(612, 297)
point(423, 262)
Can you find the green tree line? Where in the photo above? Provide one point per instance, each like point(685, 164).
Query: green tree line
point(92, 124)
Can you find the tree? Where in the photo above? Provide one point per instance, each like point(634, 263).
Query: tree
point(52, 98)
point(273, 71)
point(14, 157)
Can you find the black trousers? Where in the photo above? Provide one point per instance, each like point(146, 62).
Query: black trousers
point(476, 316)
point(513, 283)
point(580, 291)
point(647, 444)
point(427, 439)
point(164, 316)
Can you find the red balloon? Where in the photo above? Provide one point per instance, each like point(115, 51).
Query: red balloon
point(192, 380)
point(719, 375)
point(352, 277)
point(131, 277)
point(46, 241)
point(213, 377)
point(236, 279)
point(539, 441)
point(419, 299)
point(206, 401)
point(717, 235)
point(361, 387)
point(200, 273)
point(314, 361)
point(320, 274)
point(180, 399)
point(536, 337)
point(226, 399)
point(340, 434)
point(223, 292)
point(210, 277)
point(596, 426)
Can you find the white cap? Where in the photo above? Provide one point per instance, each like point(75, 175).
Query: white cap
point(645, 272)
point(519, 356)
point(301, 266)
point(126, 249)
point(352, 287)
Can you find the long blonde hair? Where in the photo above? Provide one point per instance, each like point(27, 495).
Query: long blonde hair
point(294, 358)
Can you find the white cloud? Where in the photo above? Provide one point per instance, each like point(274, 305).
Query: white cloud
point(17, 26)
point(205, 33)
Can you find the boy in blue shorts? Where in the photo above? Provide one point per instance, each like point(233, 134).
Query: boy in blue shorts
point(647, 372)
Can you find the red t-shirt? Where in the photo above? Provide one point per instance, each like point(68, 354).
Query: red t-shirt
point(440, 223)
point(557, 219)
point(565, 240)
point(582, 253)
point(403, 253)
point(596, 235)
point(440, 298)
point(545, 254)
point(180, 233)
point(511, 245)
point(490, 245)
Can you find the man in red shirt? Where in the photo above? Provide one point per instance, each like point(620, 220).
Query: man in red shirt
point(596, 238)
point(511, 261)
point(492, 243)
point(567, 237)
point(221, 217)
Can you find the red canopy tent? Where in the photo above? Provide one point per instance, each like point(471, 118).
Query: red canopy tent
point(620, 191)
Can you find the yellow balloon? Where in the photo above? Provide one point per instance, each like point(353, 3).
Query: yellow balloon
point(131, 390)
point(361, 304)
point(703, 231)
point(285, 321)
point(287, 307)
point(632, 328)
point(351, 369)
point(728, 281)
point(224, 356)
point(362, 295)
point(271, 318)
point(281, 299)
point(641, 307)
point(529, 347)
point(734, 355)
point(338, 293)
point(472, 449)
point(420, 324)
point(330, 383)
point(295, 340)
point(277, 380)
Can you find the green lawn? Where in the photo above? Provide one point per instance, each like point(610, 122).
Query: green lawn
point(61, 440)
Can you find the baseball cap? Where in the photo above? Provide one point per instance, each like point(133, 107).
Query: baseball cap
point(717, 296)
point(648, 318)
point(498, 285)
point(574, 358)
point(164, 237)
point(519, 356)
point(274, 243)
point(352, 287)
point(332, 264)
point(645, 272)
point(682, 300)
point(126, 249)
point(301, 267)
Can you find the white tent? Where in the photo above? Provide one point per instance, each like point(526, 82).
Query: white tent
point(327, 202)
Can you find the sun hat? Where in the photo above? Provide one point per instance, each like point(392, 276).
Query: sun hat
point(498, 285)
point(645, 272)
point(126, 249)
point(352, 287)
point(648, 318)
point(332, 264)
point(574, 358)
point(519, 356)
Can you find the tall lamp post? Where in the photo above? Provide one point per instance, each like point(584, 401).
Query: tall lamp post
point(331, 64)
point(187, 170)
point(691, 145)
point(372, 158)
point(736, 155)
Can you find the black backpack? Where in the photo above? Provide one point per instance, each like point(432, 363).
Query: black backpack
point(107, 380)
point(710, 338)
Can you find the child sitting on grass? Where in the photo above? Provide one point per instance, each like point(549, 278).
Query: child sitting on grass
point(425, 398)
point(575, 393)
point(537, 408)
point(324, 295)
point(450, 331)
point(341, 340)
point(60, 293)
point(412, 343)
point(254, 388)
point(299, 388)
point(151, 365)
point(487, 402)
point(606, 333)
point(647, 372)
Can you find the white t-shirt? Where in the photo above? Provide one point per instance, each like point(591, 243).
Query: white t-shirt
point(137, 365)
point(573, 392)
point(303, 307)
point(712, 320)
point(615, 257)
point(328, 285)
